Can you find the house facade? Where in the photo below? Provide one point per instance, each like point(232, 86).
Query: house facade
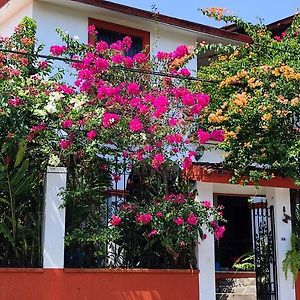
point(160, 33)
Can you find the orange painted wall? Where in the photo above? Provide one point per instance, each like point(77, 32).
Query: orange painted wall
point(298, 287)
point(95, 284)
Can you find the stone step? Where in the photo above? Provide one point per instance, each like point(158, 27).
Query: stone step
point(235, 296)
point(236, 286)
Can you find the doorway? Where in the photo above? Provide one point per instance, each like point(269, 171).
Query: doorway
point(237, 242)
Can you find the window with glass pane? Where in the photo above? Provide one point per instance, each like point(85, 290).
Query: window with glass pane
point(111, 37)
point(111, 33)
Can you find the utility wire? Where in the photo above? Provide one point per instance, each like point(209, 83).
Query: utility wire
point(132, 70)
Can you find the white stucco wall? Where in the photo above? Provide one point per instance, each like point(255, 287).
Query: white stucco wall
point(12, 14)
point(75, 21)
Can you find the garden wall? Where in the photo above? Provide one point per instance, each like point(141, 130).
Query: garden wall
point(98, 284)
point(298, 287)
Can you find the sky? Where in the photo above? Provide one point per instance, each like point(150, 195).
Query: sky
point(250, 10)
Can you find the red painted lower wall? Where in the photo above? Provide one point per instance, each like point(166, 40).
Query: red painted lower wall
point(97, 284)
point(298, 287)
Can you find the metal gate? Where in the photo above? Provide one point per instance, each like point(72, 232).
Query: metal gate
point(265, 251)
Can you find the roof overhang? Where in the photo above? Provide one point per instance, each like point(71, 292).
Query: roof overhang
point(211, 174)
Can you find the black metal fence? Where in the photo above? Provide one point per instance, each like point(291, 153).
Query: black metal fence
point(88, 228)
point(265, 251)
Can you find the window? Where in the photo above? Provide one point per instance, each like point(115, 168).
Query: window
point(111, 33)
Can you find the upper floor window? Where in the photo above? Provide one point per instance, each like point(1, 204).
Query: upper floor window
point(110, 33)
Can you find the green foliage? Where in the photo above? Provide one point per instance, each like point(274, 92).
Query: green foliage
point(245, 263)
point(20, 210)
point(291, 262)
point(87, 211)
point(255, 100)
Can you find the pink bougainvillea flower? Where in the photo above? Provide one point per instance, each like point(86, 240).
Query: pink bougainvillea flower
point(152, 233)
point(157, 161)
point(206, 204)
point(115, 220)
point(144, 218)
point(219, 232)
point(217, 135)
point(101, 46)
point(188, 99)
point(163, 55)
point(126, 43)
point(175, 138)
point(68, 90)
point(180, 51)
point(116, 46)
point(203, 136)
point(92, 29)
point(140, 58)
point(90, 135)
point(57, 50)
point(37, 128)
point(277, 38)
point(67, 123)
point(203, 99)
point(128, 62)
point(135, 125)
point(159, 214)
point(187, 163)
point(184, 72)
point(173, 122)
point(101, 64)
point(117, 58)
point(43, 64)
point(65, 144)
point(134, 102)
point(109, 119)
point(148, 148)
point(179, 221)
point(133, 88)
point(14, 102)
point(192, 219)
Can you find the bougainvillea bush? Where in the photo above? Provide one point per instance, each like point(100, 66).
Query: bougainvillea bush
point(23, 95)
point(122, 113)
point(255, 101)
point(166, 230)
point(117, 114)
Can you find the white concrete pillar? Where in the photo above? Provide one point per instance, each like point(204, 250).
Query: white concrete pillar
point(206, 251)
point(53, 232)
point(280, 198)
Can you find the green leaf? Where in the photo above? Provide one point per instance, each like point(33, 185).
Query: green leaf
point(4, 200)
point(21, 153)
point(6, 232)
point(20, 173)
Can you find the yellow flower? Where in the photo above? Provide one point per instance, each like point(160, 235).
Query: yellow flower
point(266, 117)
point(253, 82)
point(240, 99)
point(217, 117)
point(282, 99)
point(295, 101)
point(282, 113)
point(230, 135)
point(247, 145)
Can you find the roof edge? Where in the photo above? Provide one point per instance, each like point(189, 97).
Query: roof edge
point(167, 20)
